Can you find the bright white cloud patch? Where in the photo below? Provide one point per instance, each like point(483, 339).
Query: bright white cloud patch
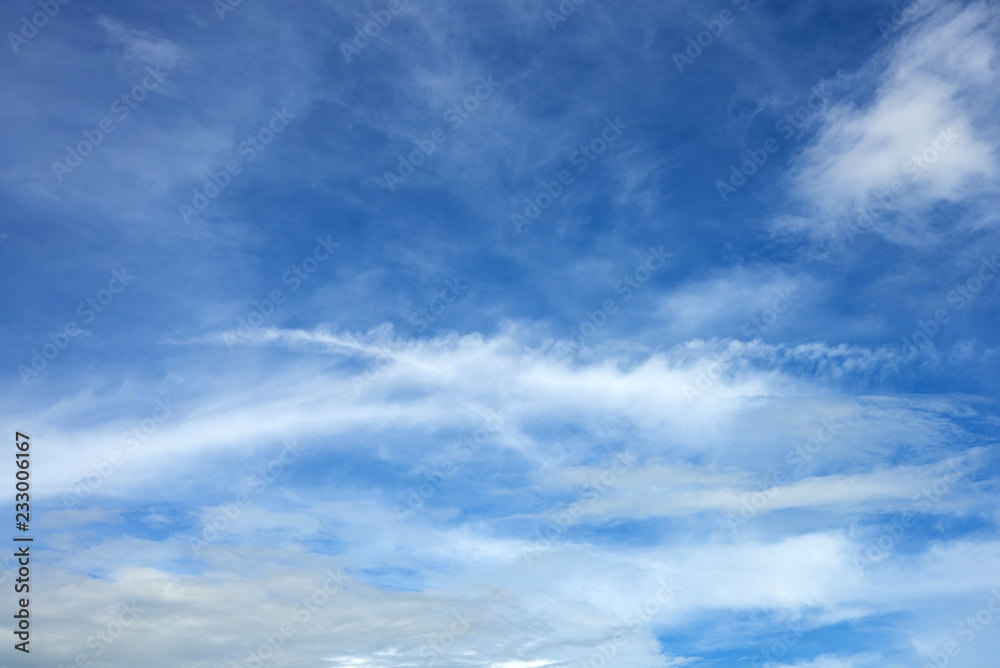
point(924, 135)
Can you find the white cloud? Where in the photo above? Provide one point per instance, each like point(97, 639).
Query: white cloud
point(142, 47)
point(560, 604)
point(929, 127)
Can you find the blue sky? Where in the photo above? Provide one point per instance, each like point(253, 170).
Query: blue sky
point(521, 333)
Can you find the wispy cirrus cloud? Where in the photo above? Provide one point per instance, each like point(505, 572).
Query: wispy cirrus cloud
point(455, 494)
